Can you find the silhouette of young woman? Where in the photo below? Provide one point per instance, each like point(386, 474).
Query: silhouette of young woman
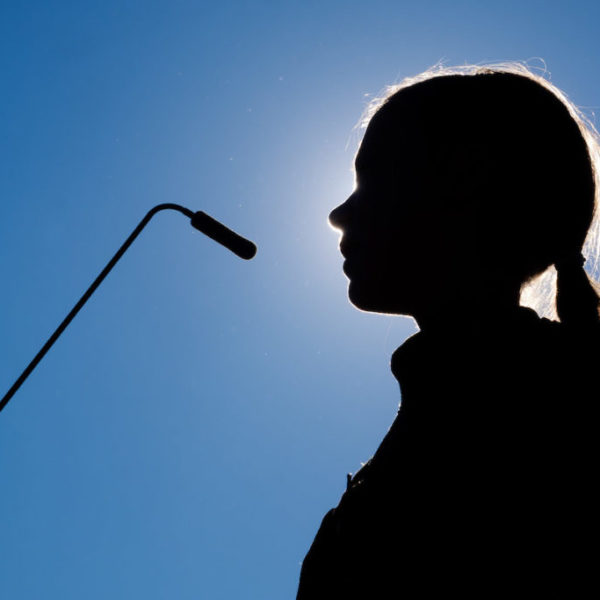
point(469, 185)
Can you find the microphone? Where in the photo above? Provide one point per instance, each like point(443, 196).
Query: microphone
point(201, 221)
point(223, 235)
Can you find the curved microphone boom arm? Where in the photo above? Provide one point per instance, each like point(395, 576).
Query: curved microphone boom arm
point(199, 220)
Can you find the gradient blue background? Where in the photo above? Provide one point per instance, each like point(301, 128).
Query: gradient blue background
point(187, 433)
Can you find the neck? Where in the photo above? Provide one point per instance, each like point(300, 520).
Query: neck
point(470, 311)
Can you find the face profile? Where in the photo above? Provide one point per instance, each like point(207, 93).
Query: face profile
point(394, 230)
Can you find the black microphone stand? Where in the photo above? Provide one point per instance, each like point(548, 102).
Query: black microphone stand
point(199, 220)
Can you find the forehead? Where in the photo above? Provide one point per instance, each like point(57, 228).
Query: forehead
point(390, 141)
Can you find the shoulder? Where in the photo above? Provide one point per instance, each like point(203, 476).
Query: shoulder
point(530, 332)
point(571, 344)
point(564, 359)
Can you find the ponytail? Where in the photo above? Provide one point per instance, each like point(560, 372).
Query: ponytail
point(577, 301)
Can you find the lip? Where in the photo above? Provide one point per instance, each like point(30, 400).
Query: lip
point(349, 265)
point(345, 248)
point(345, 268)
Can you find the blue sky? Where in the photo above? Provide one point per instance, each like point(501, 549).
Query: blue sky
point(187, 433)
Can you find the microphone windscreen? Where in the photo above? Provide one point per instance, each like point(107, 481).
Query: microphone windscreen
point(217, 231)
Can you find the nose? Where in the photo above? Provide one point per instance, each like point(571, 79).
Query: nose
point(339, 216)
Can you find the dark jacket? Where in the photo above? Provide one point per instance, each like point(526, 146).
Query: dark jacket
point(485, 483)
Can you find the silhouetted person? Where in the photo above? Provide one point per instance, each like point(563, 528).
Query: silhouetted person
point(468, 186)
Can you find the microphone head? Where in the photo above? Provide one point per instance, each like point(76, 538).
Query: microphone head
point(223, 235)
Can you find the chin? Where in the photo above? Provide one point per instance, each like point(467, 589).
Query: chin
point(367, 299)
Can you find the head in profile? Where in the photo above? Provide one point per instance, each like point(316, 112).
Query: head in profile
point(471, 184)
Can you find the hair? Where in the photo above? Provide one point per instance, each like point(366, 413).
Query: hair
point(530, 161)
